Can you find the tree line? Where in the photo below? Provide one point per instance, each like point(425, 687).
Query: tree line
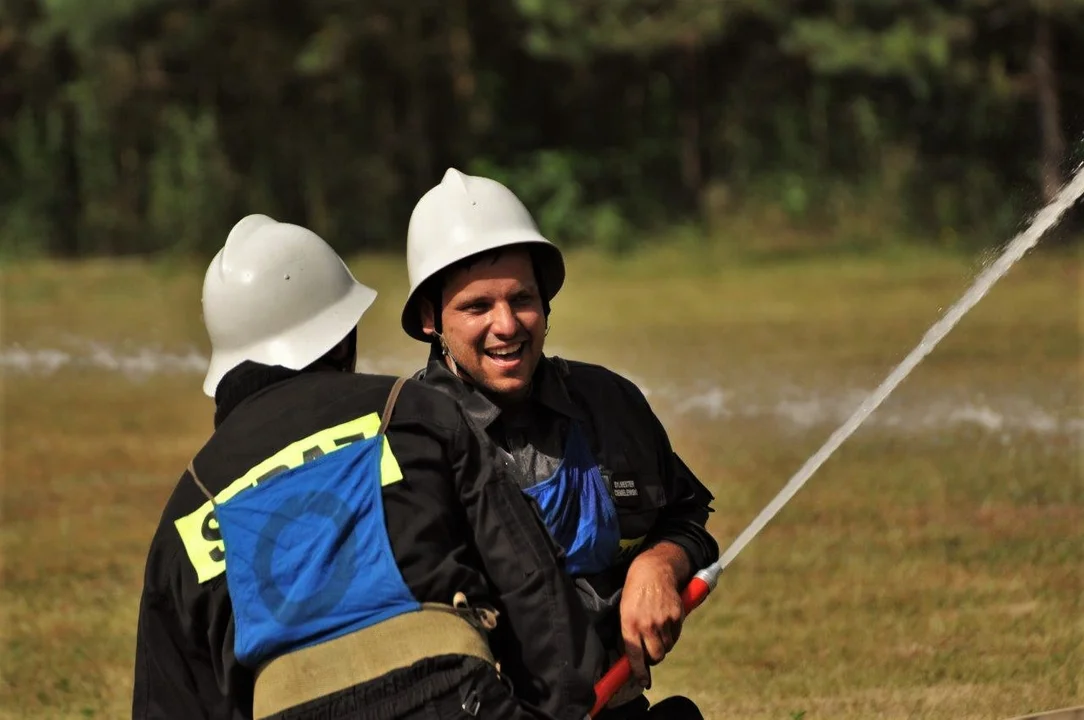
point(148, 126)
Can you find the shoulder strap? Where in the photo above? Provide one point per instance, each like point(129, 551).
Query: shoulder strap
point(385, 417)
point(195, 478)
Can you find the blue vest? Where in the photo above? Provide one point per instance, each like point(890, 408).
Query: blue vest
point(308, 557)
point(578, 510)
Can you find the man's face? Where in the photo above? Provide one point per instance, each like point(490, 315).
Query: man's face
point(493, 322)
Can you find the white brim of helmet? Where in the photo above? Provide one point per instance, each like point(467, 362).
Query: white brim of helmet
point(299, 346)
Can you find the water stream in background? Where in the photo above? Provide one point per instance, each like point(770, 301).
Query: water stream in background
point(1047, 406)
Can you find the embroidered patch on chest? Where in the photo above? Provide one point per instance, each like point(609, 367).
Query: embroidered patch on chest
point(625, 489)
point(622, 486)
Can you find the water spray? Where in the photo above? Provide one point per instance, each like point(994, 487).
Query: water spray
point(705, 581)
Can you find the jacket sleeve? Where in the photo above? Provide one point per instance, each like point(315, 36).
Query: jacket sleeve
point(165, 686)
point(552, 655)
point(683, 520)
point(176, 668)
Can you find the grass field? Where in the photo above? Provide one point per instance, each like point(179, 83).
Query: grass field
point(933, 568)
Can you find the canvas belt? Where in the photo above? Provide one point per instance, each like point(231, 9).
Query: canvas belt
point(343, 662)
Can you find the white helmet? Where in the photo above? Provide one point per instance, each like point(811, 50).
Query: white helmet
point(277, 294)
point(465, 215)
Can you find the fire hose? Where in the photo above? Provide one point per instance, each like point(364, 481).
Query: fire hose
point(704, 582)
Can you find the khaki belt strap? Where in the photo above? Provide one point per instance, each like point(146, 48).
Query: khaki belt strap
point(341, 663)
point(385, 417)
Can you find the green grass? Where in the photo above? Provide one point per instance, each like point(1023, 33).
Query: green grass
point(921, 573)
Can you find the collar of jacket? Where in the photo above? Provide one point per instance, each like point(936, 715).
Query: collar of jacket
point(547, 389)
point(242, 382)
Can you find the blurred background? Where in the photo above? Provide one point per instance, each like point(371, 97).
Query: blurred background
point(140, 126)
point(764, 205)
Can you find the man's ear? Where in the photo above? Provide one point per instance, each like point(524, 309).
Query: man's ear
point(429, 321)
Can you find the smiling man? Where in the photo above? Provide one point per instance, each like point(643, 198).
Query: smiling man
point(628, 513)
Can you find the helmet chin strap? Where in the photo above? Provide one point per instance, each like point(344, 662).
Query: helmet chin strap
point(455, 366)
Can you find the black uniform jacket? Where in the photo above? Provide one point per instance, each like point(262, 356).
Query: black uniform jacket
point(456, 522)
point(656, 496)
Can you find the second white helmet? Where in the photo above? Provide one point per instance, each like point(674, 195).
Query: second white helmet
point(277, 294)
point(463, 216)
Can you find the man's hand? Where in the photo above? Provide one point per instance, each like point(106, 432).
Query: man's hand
point(651, 609)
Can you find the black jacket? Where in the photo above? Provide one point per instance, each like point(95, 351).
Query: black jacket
point(456, 522)
point(656, 496)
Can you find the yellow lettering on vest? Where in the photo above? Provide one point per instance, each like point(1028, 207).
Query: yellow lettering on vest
point(199, 530)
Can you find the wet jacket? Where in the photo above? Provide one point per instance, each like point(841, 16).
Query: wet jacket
point(656, 496)
point(456, 522)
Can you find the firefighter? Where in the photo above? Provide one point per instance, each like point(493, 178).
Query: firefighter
point(344, 545)
point(590, 451)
